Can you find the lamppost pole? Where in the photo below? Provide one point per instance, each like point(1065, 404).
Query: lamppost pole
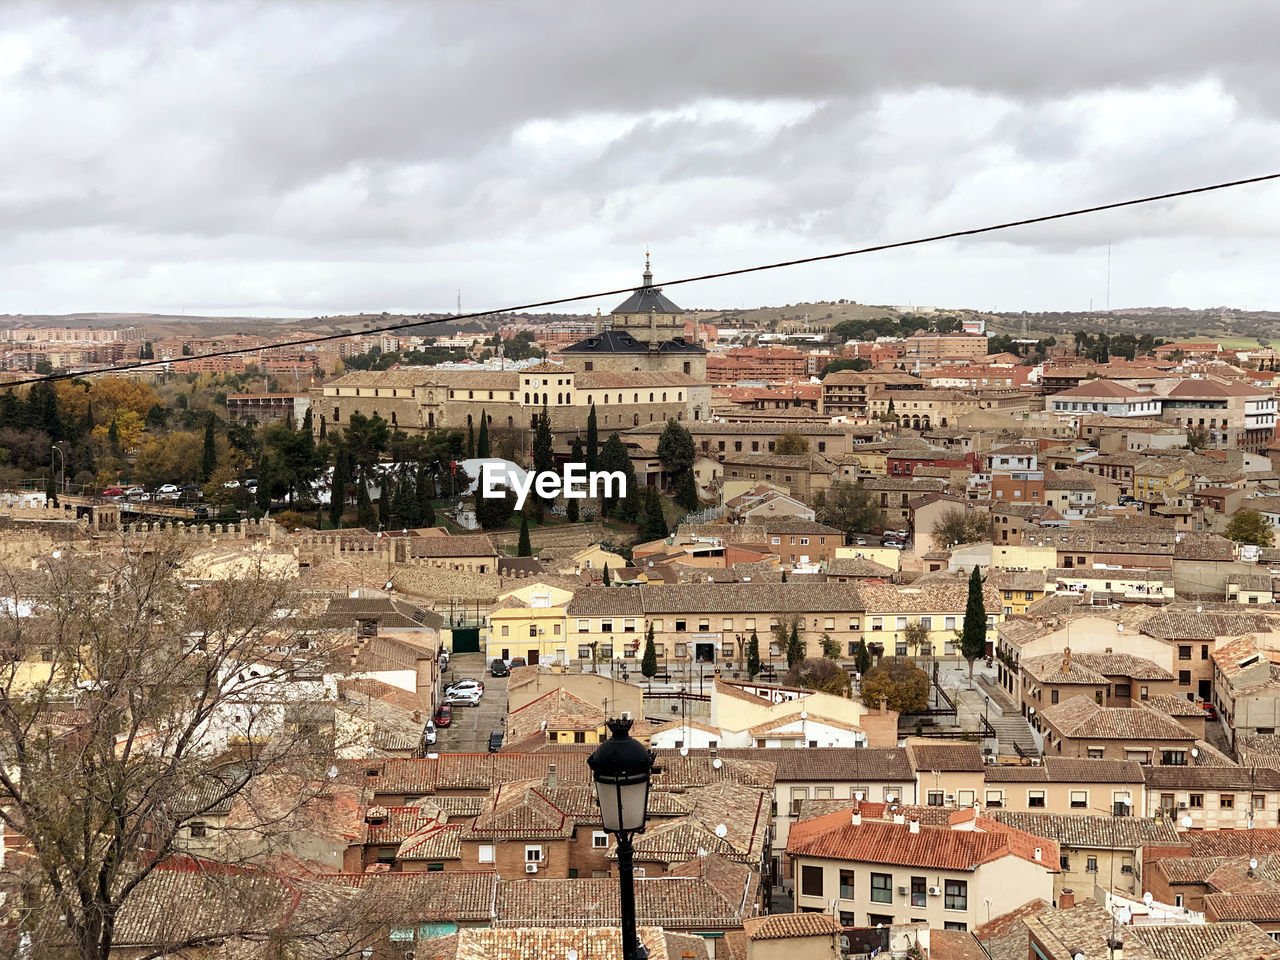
point(627, 897)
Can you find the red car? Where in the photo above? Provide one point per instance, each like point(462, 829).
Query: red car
point(444, 715)
point(113, 492)
point(1210, 711)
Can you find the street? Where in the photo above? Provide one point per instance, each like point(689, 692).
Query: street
point(471, 726)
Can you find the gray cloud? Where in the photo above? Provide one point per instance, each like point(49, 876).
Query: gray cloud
point(325, 157)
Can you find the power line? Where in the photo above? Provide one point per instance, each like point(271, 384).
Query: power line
point(740, 271)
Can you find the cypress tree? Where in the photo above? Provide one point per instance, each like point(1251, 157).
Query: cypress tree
point(209, 455)
point(795, 649)
point(973, 638)
point(525, 547)
point(113, 437)
point(571, 512)
point(604, 577)
point(384, 505)
point(482, 442)
point(657, 523)
point(687, 491)
point(753, 656)
point(263, 494)
point(544, 460)
point(471, 440)
point(366, 515)
point(593, 441)
point(426, 513)
point(649, 663)
point(338, 489)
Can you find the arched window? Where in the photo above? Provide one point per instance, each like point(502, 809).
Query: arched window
point(635, 419)
point(468, 419)
point(511, 423)
point(568, 398)
point(591, 401)
point(664, 396)
point(680, 395)
point(651, 398)
point(635, 398)
point(526, 399)
point(559, 398)
point(619, 398)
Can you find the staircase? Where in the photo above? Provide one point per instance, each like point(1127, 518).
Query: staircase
point(1014, 736)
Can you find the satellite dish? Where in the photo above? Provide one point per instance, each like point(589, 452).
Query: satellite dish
point(722, 831)
point(1148, 899)
point(858, 796)
point(1253, 863)
point(1124, 915)
point(1199, 609)
point(1079, 956)
point(684, 751)
point(717, 763)
point(332, 772)
point(1126, 801)
point(1194, 753)
point(804, 714)
point(57, 554)
point(571, 955)
point(1186, 822)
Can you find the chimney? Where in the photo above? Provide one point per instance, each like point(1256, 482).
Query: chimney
point(913, 825)
point(884, 705)
point(1116, 946)
point(711, 752)
point(1066, 900)
point(417, 716)
point(1038, 853)
point(899, 818)
point(553, 776)
point(855, 818)
point(1066, 661)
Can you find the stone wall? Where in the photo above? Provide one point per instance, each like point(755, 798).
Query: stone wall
point(566, 535)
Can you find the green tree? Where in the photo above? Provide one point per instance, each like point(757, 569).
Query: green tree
point(571, 511)
point(973, 638)
point(525, 547)
point(795, 649)
point(422, 489)
point(614, 459)
point(791, 444)
point(493, 513)
point(654, 524)
point(916, 637)
point(471, 440)
point(753, 656)
point(384, 504)
point(338, 489)
point(1249, 526)
point(593, 442)
point(897, 680)
point(830, 647)
point(366, 440)
point(113, 438)
point(482, 441)
point(265, 477)
point(544, 460)
point(649, 663)
point(295, 455)
point(209, 454)
point(366, 513)
point(687, 491)
point(861, 657)
point(1197, 438)
point(604, 576)
point(676, 450)
point(848, 507)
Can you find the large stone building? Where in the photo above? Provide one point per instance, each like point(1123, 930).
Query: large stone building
point(631, 373)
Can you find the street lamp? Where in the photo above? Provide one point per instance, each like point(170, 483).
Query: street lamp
point(621, 768)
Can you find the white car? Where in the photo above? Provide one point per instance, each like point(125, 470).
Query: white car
point(429, 734)
point(465, 686)
point(463, 698)
point(231, 485)
point(134, 491)
point(167, 492)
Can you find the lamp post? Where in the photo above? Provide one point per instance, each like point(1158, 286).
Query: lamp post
point(621, 768)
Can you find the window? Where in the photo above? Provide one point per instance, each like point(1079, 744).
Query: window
point(1184, 678)
point(1080, 799)
point(1123, 691)
point(486, 853)
point(1035, 798)
point(750, 624)
point(926, 623)
point(995, 798)
point(900, 623)
point(584, 626)
point(936, 798)
point(726, 623)
point(629, 626)
point(877, 623)
point(956, 895)
point(584, 652)
point(197, 830)
point(1064, 861)
point(533, 629)
point(680, 626)
point(949, 623)
point(1227, 801)
point(1196, 801)
point(506, 630)
point(1173, 758)
point(599, 839)
point(798, 794)
point(1258, 802)
point(1184, 653)
point(533, 853)
point(881, 888)
point(1091, 865)
point(919, 892)
point(606, 626)
point(1053, 696)
point(811, 881)
point(846, 884)
point(955, 924)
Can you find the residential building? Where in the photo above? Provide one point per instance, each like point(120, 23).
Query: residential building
point(1213, 797)
point(1066, 785)
point(1079, 727)
point(529, 622)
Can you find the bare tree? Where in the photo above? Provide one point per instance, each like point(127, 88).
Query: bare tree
point(132, 701)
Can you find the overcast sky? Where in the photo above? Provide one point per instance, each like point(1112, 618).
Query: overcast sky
point(294, 160)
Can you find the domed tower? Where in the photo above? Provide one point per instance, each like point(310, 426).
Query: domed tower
point(647, 314)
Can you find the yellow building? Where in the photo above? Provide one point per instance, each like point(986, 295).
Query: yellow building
point(593, 558)
point(1008, 556)
point(1018, 589)
point(865, 460)
point(886, 556)
point(1152, 478)
point(529, 622)
point(938, 606)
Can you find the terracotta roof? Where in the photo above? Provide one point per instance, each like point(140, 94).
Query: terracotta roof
point(677, 902)
point(1108, 389)
point(1093, 668)
point(946, 756)
point(1111, 833)
point(1005, 937)
point(940, 848)
point(1255, 908)
point(1233, 843)
point(788, 926)
point(1081, 717)
point(598, 943)
point(451, 896)
point(1205, 941)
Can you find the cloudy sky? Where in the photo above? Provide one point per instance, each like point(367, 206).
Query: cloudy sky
point(317, 158)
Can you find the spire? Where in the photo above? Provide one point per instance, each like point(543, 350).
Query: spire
point(648, 274)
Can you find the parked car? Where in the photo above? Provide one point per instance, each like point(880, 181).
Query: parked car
point(251, 484)
point(231, 485)
point(191, 490)
point(444, 715)
point(134, 491)
point(495, 741)
point(465, 685)
point(1210, 711)
point(444, 660)
point(113, 492)
point(142, 497)
point(168, 491)
point(429, 734)
point(517, 662)
point(463, 698)
point(499, 668)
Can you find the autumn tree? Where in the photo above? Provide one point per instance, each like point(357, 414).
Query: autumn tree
point(848, 507)
point(962, 526)
point(791, 444)
point(131, 703)
point(899, 681)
